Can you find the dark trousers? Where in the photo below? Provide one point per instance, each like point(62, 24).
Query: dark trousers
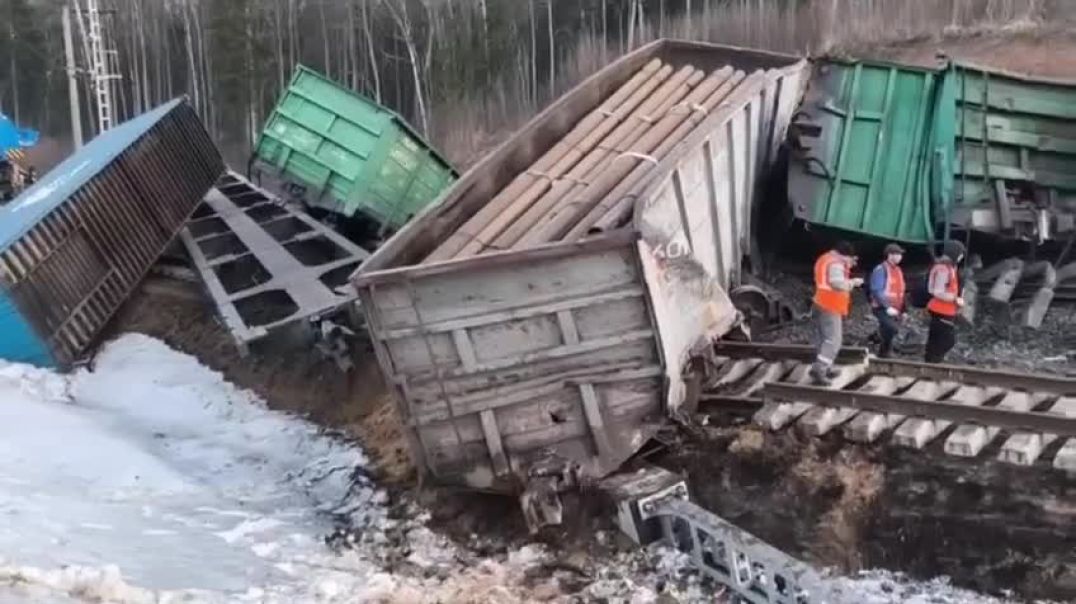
point(941, 338)
point(888, 327)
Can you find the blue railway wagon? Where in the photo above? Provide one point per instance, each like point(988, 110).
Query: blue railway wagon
point(75, 244)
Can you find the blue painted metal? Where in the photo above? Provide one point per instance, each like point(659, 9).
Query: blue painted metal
point(20, 343)
point(75, 245)
point(13, 137)
point(62, 181)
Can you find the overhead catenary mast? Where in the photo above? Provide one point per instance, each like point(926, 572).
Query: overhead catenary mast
point(100, 71)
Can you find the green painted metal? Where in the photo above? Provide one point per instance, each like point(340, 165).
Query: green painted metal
point(903, 151)
point(1027, 132)
point(350, 155)
point(872, 171)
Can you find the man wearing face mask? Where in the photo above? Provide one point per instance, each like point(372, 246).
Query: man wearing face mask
point(887, 297)
point(945, 301)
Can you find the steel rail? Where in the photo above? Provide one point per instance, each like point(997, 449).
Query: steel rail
point(976, 376)
point(784, 352)
point(1027, 421)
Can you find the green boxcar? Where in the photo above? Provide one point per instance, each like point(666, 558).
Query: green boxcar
point(897, 152)
point(870, 170)
point(349, 155)
point(1025, 139)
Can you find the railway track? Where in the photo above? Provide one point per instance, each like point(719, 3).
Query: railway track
point(1024, 419)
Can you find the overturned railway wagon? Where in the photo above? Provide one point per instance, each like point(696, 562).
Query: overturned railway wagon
point(343, 153)
point(899, 152)
point(75, 245)
point(528, 359)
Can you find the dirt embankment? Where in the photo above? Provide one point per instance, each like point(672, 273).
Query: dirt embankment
point(991, 527)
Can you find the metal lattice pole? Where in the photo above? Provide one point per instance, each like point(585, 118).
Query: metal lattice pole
point(99, 67)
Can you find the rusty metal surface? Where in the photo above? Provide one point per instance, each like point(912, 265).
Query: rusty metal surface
point(72, 269)
point(497, 367)
point(265, 264)
point(507, 362)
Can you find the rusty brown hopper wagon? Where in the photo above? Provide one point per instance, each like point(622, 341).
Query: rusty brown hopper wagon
point(77, 243)
point(535, 324)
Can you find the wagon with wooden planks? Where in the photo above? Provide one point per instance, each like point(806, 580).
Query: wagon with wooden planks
point(535, 324)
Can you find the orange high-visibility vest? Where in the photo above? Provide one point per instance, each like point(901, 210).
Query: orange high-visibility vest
point(942, 307)
point(894, 286)
point(825, 296)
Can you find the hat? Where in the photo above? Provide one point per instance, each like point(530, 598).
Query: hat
point(953, 249)
point(893, 248)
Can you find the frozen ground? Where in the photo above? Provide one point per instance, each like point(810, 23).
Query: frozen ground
point(151, 479)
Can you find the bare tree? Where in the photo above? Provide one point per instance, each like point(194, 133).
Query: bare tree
point(14, 65)
point(192, 66)
point(534, 52)
point(552, 50)
point(402, 16)
point(371, 56)
point(325, 38)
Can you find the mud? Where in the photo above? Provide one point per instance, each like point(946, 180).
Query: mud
point(991, 527)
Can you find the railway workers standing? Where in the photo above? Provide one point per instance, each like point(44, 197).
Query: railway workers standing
point(887, 297)
point(833, 283)
point(943, 284)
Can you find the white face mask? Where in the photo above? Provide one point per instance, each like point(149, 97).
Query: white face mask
point(895, 258)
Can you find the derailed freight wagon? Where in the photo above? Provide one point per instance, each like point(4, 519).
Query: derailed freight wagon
point(901, 152)
point(340, 152)
point(75, 245)
point(535, 367)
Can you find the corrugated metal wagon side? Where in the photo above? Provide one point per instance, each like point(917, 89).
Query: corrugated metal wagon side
point(1015, 153)
point(78, 242)
point(536, 367)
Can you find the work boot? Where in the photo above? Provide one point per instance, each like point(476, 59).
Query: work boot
point(820, 376)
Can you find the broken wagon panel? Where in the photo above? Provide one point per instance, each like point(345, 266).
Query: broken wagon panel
point(76, 244)
point(696, 219)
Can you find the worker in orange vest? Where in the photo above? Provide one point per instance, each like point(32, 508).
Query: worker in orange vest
point(833, 283)
point(945, 301)
point(887, 297)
